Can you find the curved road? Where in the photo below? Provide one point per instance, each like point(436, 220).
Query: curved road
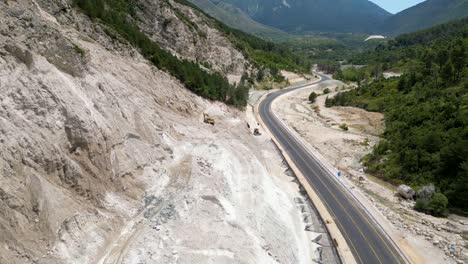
point(365, 238)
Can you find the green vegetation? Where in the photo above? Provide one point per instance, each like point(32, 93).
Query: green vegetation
point(344, 127)
point(436, 206)
point(265, 54)
point(187, 21)
point(117, 14)
point(426, 14)
point(235, 18)
point(465, 237)
point(361, 74)
point(238, 97)
point(312, 97)
point(120, 15)
point(326, 91)
point(329, 49)
point(314, 16)
point(426, 113)
point(78, 50)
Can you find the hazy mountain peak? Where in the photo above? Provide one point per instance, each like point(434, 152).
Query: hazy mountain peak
point(357, 16)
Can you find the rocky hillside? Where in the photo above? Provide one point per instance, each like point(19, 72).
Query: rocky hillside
point(104, 158)
point(190, 35)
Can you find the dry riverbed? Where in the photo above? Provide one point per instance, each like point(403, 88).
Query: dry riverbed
point(425, 239)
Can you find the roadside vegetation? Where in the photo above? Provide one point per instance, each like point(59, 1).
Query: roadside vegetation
point(436, 206)
point(312, 97)
point(426, 113)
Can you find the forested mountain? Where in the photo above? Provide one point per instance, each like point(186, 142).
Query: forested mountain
point(426, 111)
point(426, 14)
point(357, 16)
point(312, 15)
point(236, 18)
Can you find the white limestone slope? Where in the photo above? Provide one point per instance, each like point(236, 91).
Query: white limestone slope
point(105, 159)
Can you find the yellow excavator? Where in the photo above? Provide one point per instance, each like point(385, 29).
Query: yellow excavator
point(207, 119)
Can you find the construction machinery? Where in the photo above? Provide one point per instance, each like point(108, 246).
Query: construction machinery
point(207, 119)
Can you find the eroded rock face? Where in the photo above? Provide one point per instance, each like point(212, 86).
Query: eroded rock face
point(188, 34)
point(406, 191)
point(96, 144)
point(72, 127)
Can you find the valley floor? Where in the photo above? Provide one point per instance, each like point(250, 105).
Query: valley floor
point(425, 239)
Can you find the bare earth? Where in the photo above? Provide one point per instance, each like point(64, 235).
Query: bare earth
point(106, 159)
point(423, 238)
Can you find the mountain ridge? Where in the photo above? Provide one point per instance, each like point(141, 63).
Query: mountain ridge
point(343, 16)
point(428, 13)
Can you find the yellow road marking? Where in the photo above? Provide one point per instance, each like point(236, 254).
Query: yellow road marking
point(336, 185)
point(341, 205)
point(343, 230)
point(367, 220)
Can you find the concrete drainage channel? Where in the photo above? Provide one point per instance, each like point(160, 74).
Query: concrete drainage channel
point(313, 223)
point(340, 252)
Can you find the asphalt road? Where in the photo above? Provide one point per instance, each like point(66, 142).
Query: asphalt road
point(365, 238)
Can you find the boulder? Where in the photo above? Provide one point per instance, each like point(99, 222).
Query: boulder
point(406, 191)
point(426, 192)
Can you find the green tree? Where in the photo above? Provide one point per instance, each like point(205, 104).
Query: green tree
point(447, 73)
point(312, 97)
point(438, 205)
point(442, 57)
point(459, 58)
point(421, 205)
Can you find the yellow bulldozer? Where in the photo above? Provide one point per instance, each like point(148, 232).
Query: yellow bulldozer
point(207, 119)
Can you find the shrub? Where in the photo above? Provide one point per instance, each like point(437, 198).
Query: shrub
point(78, 50)
point(421, 205)
point(312, 97)
point(118, 14)
point(329, 102)
point(436, 206)
point(326, 91)
point(344, 127)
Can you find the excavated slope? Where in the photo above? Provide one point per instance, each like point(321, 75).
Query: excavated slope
point(105, 159)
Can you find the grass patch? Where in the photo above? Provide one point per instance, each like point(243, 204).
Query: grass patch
point(464, 235)
point(344, 127)
point(377, 197)
point(78, 50)
point(381, 182)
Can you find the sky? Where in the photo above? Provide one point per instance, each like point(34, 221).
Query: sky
point(395, 6)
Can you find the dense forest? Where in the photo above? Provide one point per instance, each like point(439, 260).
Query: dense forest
point(426, 111)
point(117, 14)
